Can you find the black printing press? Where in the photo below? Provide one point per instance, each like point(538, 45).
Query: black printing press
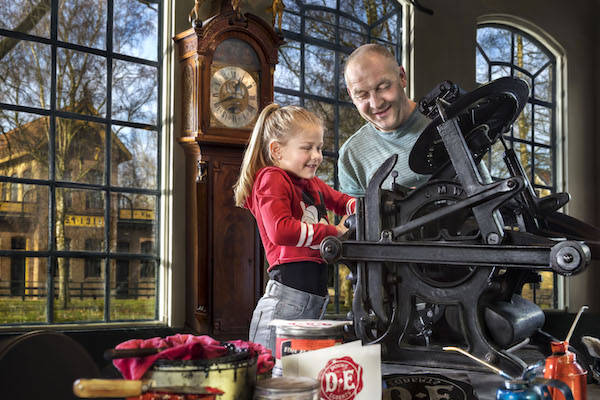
point(444, 264)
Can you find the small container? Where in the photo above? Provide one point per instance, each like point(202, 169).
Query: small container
point(299, 336)
point(287, 388)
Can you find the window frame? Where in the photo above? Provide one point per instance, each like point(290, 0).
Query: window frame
point(106, 188)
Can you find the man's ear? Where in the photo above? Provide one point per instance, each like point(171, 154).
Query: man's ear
point(402, 74)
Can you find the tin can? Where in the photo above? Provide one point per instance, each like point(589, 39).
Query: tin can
point(303, 335)
point(287, 388)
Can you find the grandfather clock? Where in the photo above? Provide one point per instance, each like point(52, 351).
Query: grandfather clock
point(227, 64)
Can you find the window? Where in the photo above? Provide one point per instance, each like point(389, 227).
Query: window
point(92, 264)
point(79, 106)
point(319, 35)
point(508, 51)
point(147, 269)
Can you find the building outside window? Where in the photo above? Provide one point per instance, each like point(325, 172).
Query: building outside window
point(79, 128)
point(319, 36)
point(507, 51)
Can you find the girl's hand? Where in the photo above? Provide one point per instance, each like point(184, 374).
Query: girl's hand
point(341, 229)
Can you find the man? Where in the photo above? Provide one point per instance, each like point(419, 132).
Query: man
point(376, 83)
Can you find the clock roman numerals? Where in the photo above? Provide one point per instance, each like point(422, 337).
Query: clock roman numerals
point(233, 96)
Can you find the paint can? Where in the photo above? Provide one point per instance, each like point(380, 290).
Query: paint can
point(299, 336)
point(287, 388)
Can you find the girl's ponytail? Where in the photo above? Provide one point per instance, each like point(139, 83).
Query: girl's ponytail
point(256, 157)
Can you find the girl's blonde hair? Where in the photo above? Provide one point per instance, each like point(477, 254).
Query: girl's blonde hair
point(274, 124)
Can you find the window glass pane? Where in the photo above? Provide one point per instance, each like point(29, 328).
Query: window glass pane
point(324, 3)
point(287, 71)
point(524, 155)
point(350, 122)
point(135, 157)
point(326, 112)
point(543, 122)
point(135, 92)
point(543, 166)
point(387, 30)
point(498, 167)
point(544, 291)
point(27, 16)
point(320, 67)
point(23, 137)
point(326, 172)
point(23, 289)
point(135, 28)
point(82, 22)
point(136, 220)
point(82, 299)
point(543, 84)
point(355, 8)
point(481, 67)
point(351, 39)
point(79, 150)
point(132, 297)
point(290, 22)
point(81, 85)
point(498, 71)
point(26, 86)
point(522, 126)
point(496, 42)
point(528, 55)
point(23, 213)
point(286, 100)
point(80, 222)
point(320, 30)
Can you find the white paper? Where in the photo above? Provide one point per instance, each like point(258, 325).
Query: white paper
point(345, 372)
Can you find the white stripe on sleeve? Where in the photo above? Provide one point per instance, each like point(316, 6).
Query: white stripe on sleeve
point(302, 234)
point(349, 206)
point(311, 233)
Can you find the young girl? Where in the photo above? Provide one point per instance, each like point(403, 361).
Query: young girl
point(278, 185)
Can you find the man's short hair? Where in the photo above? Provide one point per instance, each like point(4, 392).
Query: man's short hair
point(369, 48)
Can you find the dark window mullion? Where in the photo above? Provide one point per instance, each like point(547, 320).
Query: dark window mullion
point(108, 153)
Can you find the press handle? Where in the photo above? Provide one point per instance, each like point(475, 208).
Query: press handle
point(112, 354)
point(89, 388)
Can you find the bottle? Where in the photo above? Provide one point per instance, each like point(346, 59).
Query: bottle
point(562, 365)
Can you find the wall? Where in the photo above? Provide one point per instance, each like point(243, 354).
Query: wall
point(445, 49)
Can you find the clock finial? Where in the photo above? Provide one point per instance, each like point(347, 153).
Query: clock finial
point(194, 16)
point(276, 9)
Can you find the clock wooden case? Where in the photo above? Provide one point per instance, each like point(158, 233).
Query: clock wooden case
point(226, 68)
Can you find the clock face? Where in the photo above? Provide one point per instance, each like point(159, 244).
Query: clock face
point(233, 97)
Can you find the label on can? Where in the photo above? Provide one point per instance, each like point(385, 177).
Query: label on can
point(299, 336)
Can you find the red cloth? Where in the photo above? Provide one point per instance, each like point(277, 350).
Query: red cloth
point(184, 347)
point(286, 209)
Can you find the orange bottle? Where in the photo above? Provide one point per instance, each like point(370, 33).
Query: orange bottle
point(562, 365)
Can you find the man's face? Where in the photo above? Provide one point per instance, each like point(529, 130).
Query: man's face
point(376, 86)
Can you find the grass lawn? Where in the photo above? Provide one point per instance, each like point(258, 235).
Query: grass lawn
point(17, 310)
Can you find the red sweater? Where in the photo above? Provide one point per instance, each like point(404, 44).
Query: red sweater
point(288, 210)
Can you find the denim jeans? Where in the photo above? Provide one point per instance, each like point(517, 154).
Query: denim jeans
point(282, 302)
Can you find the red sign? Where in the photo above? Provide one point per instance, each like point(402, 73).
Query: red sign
point(341, 379)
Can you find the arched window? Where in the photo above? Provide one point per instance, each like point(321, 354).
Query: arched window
point(319, 36)
point(504, 50)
